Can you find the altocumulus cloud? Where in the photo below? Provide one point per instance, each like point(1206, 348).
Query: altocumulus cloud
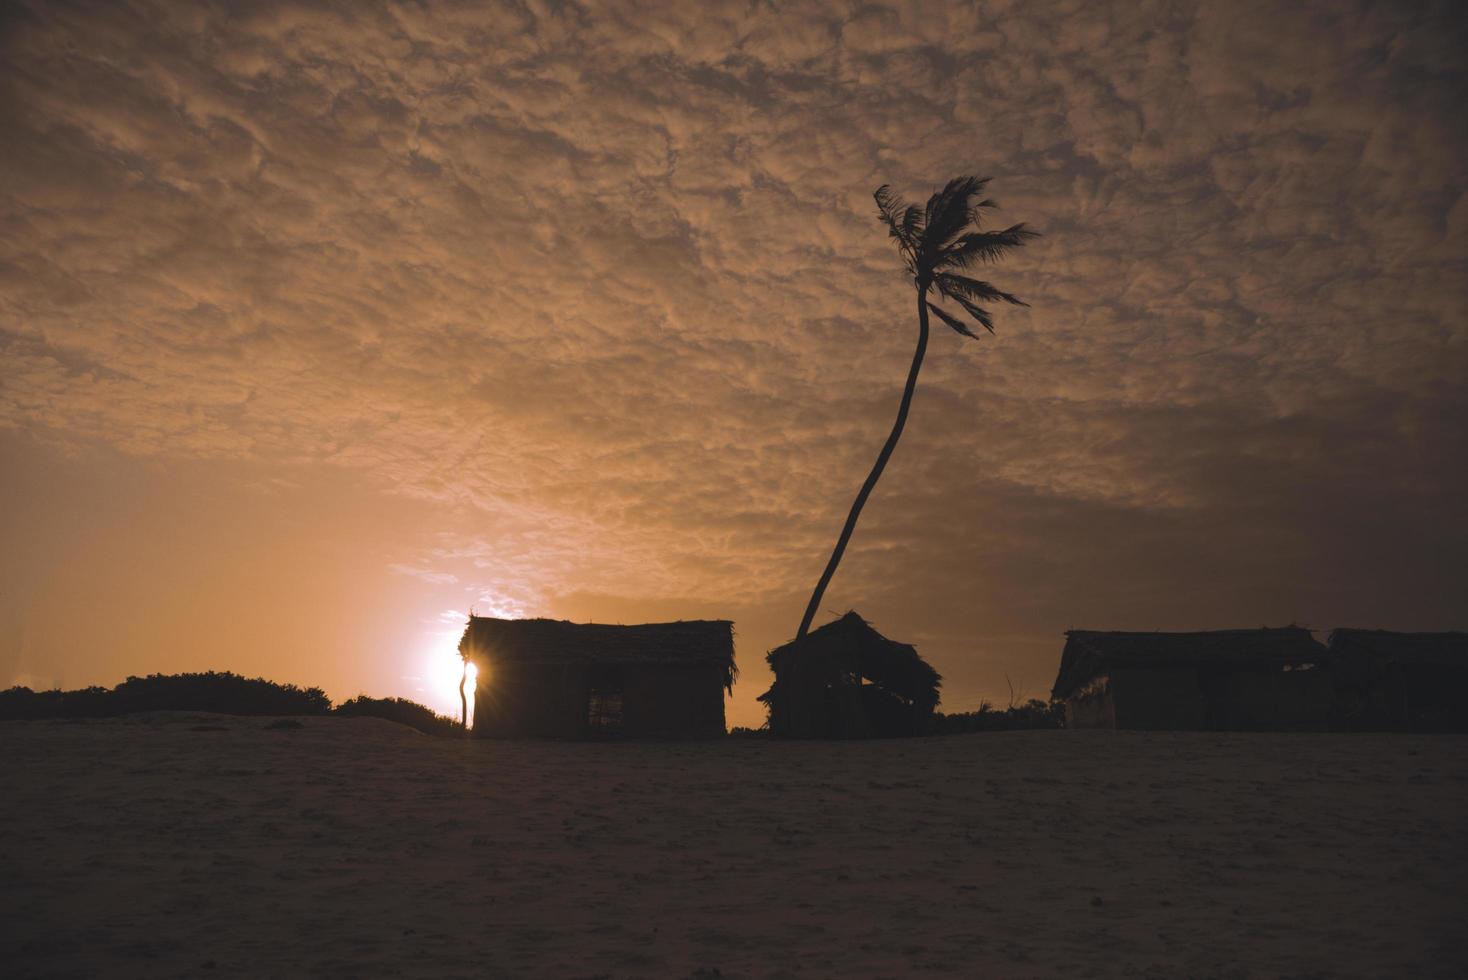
point(607, 277)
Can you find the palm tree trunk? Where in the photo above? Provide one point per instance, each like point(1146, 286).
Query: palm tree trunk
point(463, 698)
point(881, 464)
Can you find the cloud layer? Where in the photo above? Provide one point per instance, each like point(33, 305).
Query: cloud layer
point(604, 282)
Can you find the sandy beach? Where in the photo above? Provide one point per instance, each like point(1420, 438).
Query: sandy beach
point(193, 845)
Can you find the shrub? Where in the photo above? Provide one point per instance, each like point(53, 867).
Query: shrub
point(21, 702)
point(224, 693)
point(220, 692)
point(402, 711)
point(1033, 714)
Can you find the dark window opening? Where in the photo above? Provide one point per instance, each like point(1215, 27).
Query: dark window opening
point(604, 702)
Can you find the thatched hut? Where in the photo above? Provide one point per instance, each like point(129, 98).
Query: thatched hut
point(1388, 681)
point(846, 680)
point(1223, 680)
point(545, 677)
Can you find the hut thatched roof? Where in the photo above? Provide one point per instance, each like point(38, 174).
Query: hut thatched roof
point(1091, 653)
point(557, 641)
point(850, 643)
point(1389, 647)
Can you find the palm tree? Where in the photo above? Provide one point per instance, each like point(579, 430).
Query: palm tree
point(464, 698)
point(937, 246)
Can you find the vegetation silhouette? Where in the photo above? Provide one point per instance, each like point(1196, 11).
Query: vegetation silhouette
point(1033, 714)
point(216, 691)
point(219, 692)
point(402, 711)
point(938, 243)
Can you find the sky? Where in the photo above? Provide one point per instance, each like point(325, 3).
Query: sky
point(322, 324)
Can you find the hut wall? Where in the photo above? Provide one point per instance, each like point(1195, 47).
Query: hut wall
point(1303, 700)
point(1402, 697)
point(547, 700)
point(835, 707)
point(886, 715)
point(1349, 677)
point(673, 700)
point(848, 707)
point(1432, 697)
point(552, 701)
point(817, 705)
point(806, 706)
point(1270, 699)
point(1217, 699)
point(1150, 699)
point(1092, 706)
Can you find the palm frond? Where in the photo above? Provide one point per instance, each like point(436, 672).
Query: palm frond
point(934, 242)
point(890, 207)
point(976, 211)
point(913, 222)
point(953, 285)
point(954, 321)
point(983, 246)
point(949, 212)
point(976, 311)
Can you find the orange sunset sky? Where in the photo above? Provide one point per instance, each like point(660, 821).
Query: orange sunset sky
point(322, 323)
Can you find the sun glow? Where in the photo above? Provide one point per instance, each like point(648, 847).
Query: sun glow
point(442, 670)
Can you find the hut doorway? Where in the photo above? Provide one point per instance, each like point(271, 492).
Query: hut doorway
point(604, 701)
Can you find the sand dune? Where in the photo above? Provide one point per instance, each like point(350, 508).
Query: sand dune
point(193, 845)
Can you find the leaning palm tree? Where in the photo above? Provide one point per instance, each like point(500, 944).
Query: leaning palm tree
point(938, 244)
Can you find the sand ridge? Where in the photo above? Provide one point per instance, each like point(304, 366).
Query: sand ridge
point(190, 845)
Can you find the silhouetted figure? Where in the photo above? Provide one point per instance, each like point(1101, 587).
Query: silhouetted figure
point(935, 242)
